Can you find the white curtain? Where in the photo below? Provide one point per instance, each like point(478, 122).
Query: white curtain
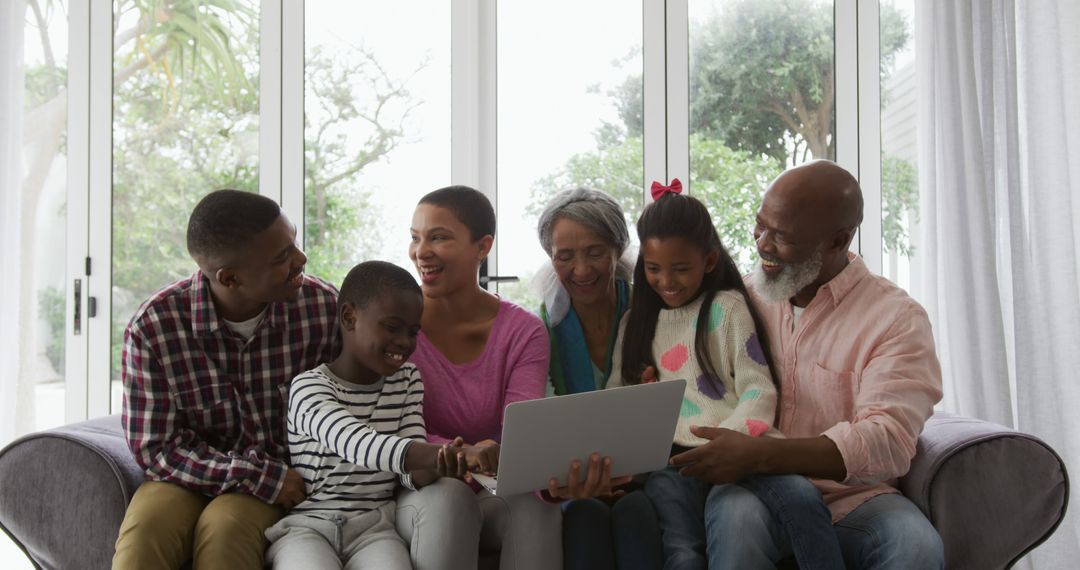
point(999, 180)
point(12, 17)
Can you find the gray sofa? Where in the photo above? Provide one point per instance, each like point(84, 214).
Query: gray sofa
point(992, 493)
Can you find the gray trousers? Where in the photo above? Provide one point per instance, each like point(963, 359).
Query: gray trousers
point(365, 541)
point(447, 523)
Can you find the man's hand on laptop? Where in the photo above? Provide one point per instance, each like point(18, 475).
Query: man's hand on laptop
point(597, 482)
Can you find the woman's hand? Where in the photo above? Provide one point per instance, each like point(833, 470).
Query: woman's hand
point(597, 483)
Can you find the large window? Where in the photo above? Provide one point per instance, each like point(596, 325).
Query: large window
point(569, 115)
point(376, 127)
point(185, 122)
point(343, 112)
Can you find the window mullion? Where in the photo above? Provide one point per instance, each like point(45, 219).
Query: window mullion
point(78, 184)
point(98, 310)
point(473, 106)
point(677, 76)
point(869, 57)
point(654, 93)
point(292, 113)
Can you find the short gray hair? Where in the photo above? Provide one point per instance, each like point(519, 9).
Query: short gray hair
point(595, 210)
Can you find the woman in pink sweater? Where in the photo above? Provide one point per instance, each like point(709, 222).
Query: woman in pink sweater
point(476, 353)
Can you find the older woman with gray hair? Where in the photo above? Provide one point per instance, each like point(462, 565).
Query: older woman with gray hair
point(585, 288)
point(585, 291)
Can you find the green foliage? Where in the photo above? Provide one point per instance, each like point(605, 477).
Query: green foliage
point(186, 122)
point(51, 312)
point(617, 169)
point(170, 147)
point(899, 201)
point(345, 235)
point(761, 81)
point(193, 42)
point(350, 99)
point(522, 293)
point(729, 182)
point(761, 69)
point(42, 83)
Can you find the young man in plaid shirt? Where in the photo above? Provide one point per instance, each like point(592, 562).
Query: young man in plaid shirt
point(206, 369)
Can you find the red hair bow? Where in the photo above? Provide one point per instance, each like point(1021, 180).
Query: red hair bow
point(659, 189)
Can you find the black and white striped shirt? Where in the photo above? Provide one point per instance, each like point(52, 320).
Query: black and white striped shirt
point(348, 440)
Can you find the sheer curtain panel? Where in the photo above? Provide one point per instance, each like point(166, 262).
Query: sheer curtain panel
point(999, 184)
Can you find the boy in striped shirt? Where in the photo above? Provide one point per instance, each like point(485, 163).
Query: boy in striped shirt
point(356, 429)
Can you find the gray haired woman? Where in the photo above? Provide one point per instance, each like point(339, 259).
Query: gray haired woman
point(586, 290)
point(586, 286)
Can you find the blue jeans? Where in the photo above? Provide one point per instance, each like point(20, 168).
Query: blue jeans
point(887, 532)
point(797, 505)
point(624, 536)
point(687, 508)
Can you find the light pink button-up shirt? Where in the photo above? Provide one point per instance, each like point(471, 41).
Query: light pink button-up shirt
point(860, 368)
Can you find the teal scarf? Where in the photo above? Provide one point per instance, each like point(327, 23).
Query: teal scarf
point(571, 369)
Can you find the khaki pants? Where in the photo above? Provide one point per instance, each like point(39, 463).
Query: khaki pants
point(167, 525)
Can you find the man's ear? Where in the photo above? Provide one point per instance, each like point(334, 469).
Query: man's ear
point(841, 240)
point(227, 277)
point(347, 315)
point(485, 245)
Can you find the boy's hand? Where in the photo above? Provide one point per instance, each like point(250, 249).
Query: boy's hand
point(292, 491)
point(447, 463)
point(455, 459)
point(482, 457)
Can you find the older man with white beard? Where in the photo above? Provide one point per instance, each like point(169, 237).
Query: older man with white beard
point(858, 376)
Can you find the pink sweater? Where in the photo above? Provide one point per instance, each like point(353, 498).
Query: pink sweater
point(468, 399)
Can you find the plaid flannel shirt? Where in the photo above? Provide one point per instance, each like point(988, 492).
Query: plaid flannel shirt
point(205, 408)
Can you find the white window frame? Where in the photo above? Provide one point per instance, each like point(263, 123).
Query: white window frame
point(474, 100)
point(76, 388)
point(99, 212)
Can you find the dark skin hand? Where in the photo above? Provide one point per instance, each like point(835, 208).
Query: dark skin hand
point(485, 459)
point(292, 490)
point(730, 456)
point(427, 462)
point(597, 482)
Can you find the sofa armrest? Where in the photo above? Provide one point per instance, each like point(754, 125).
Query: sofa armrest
point(992, 493)
point(63, 492)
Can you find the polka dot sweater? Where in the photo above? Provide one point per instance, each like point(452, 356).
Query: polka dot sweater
point(742, 399)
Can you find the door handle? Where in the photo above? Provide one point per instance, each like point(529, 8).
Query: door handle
point(486, 279)
point(77, 324)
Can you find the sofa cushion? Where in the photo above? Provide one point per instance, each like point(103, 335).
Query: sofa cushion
point(992, 493)
point(40, 474)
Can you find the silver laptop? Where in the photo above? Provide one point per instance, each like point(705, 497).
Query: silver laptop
point(633, 425)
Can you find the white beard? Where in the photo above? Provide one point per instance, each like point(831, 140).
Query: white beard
point(792, 279)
